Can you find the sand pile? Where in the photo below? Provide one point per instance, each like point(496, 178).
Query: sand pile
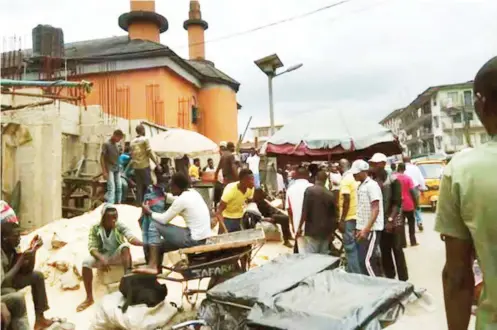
point(66, 245)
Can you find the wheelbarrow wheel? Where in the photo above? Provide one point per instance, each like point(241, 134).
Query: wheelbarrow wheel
point(215, 280)
point(191, 297)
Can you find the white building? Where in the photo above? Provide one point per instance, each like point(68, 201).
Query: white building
point(437, 121)
point(263, 133)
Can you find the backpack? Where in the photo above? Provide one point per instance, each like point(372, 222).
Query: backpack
point(141, 289)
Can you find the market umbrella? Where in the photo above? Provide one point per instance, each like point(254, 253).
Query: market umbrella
point(177, 142)
point(326, 134)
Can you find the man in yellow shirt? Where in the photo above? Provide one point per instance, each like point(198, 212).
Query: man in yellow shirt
point(235, 195)
point(348, 215)
point(194, 170)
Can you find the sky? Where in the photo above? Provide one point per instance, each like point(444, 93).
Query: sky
point(366, 57)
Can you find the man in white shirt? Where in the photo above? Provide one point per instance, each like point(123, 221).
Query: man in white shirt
point(280, 181)
point(295, 197)
point(417, 177)
point(370, 220)
point(192, 208)
point(253, 162)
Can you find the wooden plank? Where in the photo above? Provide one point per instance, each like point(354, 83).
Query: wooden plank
point(229, 241)
point(219, 247)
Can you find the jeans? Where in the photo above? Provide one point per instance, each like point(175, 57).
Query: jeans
point(143, 179)
point(308, 244)
point(257, 180)
point(370, 255)
point(351, 248)
point(233, 224)
point(284, 222)
point(36, 281)
point(114, 189)
point(175, 237)
point(417, 212)
point(124, 190)
point(391, 245)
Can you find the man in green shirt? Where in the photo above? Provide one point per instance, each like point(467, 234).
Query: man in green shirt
point(467, 213)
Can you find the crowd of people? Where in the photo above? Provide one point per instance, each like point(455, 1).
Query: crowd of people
point(368, 201)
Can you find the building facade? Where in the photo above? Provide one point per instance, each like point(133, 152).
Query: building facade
point(440, 120)
point(137, 78)
point(263, 133)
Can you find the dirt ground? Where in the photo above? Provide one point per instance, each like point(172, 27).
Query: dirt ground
point(425, 264)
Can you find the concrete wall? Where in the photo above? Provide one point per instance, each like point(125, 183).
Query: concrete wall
point(61, 134)
point(38, 165)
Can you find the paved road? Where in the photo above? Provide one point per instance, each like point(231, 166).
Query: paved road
point(425, 263)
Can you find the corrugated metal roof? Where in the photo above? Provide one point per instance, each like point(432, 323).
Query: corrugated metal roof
point(122, 47)
point(207, 69)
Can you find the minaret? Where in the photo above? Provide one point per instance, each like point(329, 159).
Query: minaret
point(142, 22)
point(196, 27)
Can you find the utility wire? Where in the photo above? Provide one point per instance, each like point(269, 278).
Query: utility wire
point(262, 27)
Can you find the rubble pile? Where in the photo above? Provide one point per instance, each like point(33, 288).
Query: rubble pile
point(66, 245)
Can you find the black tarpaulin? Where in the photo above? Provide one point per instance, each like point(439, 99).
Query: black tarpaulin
point(279, 275)
point(330, 300)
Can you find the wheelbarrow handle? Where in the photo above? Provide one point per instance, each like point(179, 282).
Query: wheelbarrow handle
point(187, 324)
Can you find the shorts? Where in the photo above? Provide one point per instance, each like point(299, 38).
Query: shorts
point(308, 244)
point(154, 237)
point(114, 258)
point(233, 224)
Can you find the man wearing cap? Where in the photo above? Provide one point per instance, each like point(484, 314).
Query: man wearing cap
point(369, 219)
point(108, 245)
point(392, 240)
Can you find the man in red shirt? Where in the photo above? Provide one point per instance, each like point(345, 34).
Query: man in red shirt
point(409, 201)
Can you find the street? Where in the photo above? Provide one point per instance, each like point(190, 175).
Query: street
point(425, 263)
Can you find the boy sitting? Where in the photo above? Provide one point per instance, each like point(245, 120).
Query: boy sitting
point(108, 245)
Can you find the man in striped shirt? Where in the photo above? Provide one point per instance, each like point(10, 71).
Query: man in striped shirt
point(370, 221)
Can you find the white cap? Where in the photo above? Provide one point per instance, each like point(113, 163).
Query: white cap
point(223, 144)
point(359, 166)
point(378, 158)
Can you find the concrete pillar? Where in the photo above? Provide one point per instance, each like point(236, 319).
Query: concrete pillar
point(39, 168)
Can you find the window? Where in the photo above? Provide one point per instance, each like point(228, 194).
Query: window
point(457, 118)
point(264, 132)
point(431, 171)
point(453, 96)
point(469, 115)
point(436, 121)
point(468, 98)
point(426, 108)
point(438, 142)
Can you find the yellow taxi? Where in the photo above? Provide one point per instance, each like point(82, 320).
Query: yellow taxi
point(432, 173)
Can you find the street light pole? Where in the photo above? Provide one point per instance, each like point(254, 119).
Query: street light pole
point(271, 104)
point(269, 65)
